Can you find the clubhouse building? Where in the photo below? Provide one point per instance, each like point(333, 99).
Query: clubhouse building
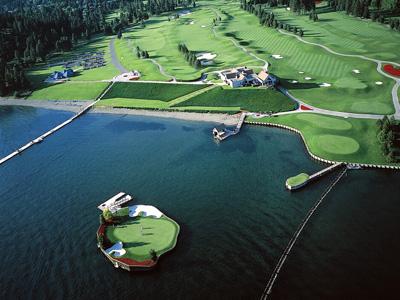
point(243, 76)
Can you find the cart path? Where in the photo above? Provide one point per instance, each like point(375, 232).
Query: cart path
point(114, 58)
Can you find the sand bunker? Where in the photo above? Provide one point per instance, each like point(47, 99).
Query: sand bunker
point(145, 210)
point(277, 56)
point(301, 72)
point(203, 26)
point(378, 82)
point(307, 78)
point(294, 81)
point(356, 71)
point(325, 84)
point(117, 250)
point(206, 56)
point(191, 23)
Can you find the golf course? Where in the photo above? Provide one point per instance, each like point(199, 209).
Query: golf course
point(338, 68)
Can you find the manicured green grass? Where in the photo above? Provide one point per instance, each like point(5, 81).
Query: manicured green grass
point(127, 57)
point(352, 141)
point(151, 91)
point(298, 179)
point(251, 99)
point(141, 234)
point(161, 37)
point(69, 91)
point(348, 91)
point(346, 34)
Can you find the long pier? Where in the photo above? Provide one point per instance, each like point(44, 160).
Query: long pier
point(224, 134)
point(58, 127)
point(296, 235)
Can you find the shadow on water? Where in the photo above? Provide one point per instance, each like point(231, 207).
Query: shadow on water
point(123, 125)
point(188, 128)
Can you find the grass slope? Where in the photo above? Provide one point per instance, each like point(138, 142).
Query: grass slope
point(140, 235)
point(255, 100)
point(334, 138)
point(348, 91)
point(69, 91)
point(151, 91)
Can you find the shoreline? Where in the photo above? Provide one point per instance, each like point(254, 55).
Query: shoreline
point(75, 106)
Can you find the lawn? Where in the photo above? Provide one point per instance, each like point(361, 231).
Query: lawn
point(69, 91)
point(298, 179)
point(151, 91)
point(349, 91)
point(140, 235)
point(250, 99)
point(346, 34)
point(335, 138)
point(161, 37)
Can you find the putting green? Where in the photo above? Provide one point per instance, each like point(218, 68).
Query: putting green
point(298, 179)
point(325, 122)
point(140, 235)
point(336, 144)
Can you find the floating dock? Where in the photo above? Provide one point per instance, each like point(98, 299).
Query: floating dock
point(303, 179)
point(225, 133)
point(115, 202)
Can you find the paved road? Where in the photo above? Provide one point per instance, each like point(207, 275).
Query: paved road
point(114, 58)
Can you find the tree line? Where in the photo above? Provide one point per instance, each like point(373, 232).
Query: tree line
point(376, 10)
point(388, 133)
point(269, 19)
point(32, 29)
point(190, 56)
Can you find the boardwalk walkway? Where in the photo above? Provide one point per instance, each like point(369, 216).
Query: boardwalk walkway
point(293, 240)
point(58, 127)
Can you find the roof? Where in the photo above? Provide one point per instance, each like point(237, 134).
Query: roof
point(263, 75)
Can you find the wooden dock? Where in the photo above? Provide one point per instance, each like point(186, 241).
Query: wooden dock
point(58, 127)
point(115, 202)
point(225, 133)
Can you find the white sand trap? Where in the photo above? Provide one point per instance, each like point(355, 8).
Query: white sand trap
point(356, 71)
point(277, 56)
point(146, 210)
point(117, 250)
point(203, 26)
point(378, 82)
point(294, 81)
point(206, 56)
point(287, 8)
point(191, 23)
point(325, 84)
point(307, 78)
point(301, 72)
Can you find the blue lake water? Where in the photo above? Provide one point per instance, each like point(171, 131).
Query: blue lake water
point(229, 198)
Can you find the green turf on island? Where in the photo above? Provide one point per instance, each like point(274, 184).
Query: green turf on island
point(250, 99)
point(335, 138)
point(297, 180)
point(141, 234)
point(151, 91)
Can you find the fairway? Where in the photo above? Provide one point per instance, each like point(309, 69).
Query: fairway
point(140, 235)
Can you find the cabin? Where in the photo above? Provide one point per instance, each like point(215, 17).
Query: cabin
point(244, 76)
point(240, 77)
